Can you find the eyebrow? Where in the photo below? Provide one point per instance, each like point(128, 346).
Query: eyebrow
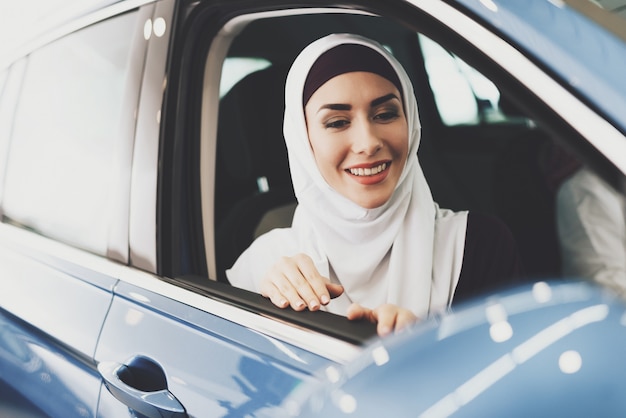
point(335, 106)
point(373, 103)
point(383, 99)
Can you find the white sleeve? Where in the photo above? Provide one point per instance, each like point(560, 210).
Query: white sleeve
point(255, 261)
point(592, 230)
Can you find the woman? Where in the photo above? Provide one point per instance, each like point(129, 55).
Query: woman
point(366, 232)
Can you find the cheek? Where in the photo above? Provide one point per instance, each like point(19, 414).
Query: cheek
point(328, 158)
point(404, 149)
point(403, 140)
point(326, 151)
point(398, 141)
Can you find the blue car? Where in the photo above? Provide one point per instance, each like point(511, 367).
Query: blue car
point(141, 152)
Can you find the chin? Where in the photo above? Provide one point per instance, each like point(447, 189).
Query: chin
point(372, 203)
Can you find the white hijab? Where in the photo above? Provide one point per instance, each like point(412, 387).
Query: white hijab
point(407, 252)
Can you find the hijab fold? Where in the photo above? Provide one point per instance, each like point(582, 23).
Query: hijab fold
point(408, 252)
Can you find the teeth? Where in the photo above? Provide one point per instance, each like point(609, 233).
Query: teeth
point(368, 171)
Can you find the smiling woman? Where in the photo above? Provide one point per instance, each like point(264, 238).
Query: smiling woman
point(366, 231)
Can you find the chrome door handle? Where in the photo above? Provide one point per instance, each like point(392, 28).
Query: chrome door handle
point(141, 385)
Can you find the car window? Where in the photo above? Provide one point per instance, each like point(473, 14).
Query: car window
point(61, 171)
point(484, 146)
point(618, 7)
point(5, 115)
point(236, 68)
point(463, 95)
point(3, 78)
point(253, 191)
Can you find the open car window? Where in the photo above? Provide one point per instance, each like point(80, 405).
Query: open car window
point(463, 95)
point(469, 126)
point(485, 147)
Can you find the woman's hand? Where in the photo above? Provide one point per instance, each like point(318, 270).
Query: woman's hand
point(388, 317)
point(295, 281)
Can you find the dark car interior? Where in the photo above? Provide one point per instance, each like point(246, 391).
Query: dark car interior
point(489, 166)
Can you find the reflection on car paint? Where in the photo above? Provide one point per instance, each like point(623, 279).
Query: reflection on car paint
point(50, 381)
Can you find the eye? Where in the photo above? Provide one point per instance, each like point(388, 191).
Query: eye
point(336, 124)
point(387, 116)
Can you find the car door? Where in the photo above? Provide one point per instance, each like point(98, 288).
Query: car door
point(67, 112)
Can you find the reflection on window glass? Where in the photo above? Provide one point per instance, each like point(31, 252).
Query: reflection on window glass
point(5, 126)
point(236, 68)
point(462, 94)
point(67, 135)
point(3, 78)
point(617, 7)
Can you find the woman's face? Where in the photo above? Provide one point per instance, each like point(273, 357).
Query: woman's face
point(359, 135)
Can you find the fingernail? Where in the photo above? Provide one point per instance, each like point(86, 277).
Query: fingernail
point(283, 303)
point(325, 300)
point(300, 304)
point(313, 305)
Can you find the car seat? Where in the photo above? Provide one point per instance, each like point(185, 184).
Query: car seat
point(252, 170)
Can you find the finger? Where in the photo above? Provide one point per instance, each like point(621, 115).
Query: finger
point(282, 275)
point(318, 284)
point(270, 291)
point(297, 287)
point(404, 319)
point(323, 288)
point(385, 316)
point(357, 312)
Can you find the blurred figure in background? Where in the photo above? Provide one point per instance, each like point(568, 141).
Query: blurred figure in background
point(591, 222)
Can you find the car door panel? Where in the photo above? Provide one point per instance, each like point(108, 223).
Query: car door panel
point(213, 366)
point(47, 348)
point(46, 290)
point(39, 378)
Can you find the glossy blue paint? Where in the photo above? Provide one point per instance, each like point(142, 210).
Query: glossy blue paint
point(539, 351)
point(52, 382)
point(48, 293)
point(584, 55)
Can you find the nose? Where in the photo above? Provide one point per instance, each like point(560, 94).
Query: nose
point(366, 140)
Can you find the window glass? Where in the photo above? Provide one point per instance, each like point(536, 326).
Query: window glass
point(236, 68)
point(5, 109)
point(463, 95)
point(3, 78)
point(67, 135)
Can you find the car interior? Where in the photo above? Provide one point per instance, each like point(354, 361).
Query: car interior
point(486, 155)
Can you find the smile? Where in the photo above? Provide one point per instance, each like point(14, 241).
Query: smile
point(372, 171)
